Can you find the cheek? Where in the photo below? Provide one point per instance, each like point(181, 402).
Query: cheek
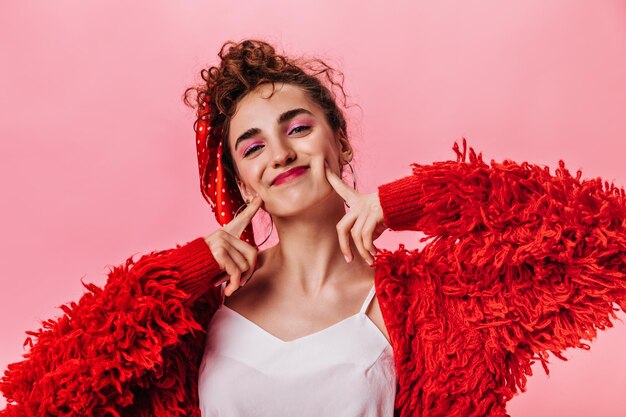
point(332, 156)
point(325, 148)
point(247, 174)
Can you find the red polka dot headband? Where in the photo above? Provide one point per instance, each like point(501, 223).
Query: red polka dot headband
point(218, 189)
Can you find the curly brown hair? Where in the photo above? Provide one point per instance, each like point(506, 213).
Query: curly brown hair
point(246, 65)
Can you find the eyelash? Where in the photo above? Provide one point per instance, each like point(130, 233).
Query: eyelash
point(297, 127)
point(253, 148)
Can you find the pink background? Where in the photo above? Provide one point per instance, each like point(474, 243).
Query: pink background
point(97, 157)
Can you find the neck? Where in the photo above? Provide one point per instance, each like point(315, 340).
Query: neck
point(308, 257)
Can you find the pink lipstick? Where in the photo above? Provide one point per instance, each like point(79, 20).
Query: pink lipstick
point(290, 175)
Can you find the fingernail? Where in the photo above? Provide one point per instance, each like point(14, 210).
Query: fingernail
point(368, 262)
point(347, 258)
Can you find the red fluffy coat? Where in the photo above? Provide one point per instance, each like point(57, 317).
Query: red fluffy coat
point(520, 263)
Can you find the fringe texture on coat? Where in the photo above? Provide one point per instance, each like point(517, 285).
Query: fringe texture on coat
point(520, 264)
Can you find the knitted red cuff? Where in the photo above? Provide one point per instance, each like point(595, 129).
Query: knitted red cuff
point(399, 200)
point(197, 266)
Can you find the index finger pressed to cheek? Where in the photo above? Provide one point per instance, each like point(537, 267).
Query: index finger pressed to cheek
point(334, 180)
point(327, 171)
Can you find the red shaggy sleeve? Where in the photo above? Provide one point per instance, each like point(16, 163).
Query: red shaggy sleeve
point(537, 261)
point(97, 357)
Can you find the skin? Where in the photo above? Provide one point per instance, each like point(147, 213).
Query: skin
point(304, 283)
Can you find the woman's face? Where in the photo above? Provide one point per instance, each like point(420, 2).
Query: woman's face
point(269, 136)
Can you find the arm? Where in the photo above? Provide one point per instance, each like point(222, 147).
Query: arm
point(115, 339)
point(538, 259)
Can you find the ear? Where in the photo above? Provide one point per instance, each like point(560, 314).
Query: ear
point(246, 192)
point(345, 148)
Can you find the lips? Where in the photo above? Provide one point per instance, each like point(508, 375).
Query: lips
point(292, 172)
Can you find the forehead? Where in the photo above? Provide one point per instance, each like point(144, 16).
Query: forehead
point(257, 109)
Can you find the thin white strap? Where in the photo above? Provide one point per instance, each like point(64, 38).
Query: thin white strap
point(369, 297)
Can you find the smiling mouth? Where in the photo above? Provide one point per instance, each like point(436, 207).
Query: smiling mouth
point(291, 176)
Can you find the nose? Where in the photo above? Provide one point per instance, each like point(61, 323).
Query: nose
point(283, 154)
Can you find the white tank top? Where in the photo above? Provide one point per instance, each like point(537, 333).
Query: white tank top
point(345, 370)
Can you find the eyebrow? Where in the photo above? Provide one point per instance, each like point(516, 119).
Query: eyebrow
point(289, 114)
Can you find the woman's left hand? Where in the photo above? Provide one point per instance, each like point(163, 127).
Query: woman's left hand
point(364, 221)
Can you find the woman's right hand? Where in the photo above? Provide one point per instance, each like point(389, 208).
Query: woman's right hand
point(233, 255)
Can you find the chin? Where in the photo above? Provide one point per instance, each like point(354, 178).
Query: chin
point(299, 202)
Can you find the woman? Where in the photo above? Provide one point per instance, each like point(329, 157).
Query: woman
point(521, 263)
